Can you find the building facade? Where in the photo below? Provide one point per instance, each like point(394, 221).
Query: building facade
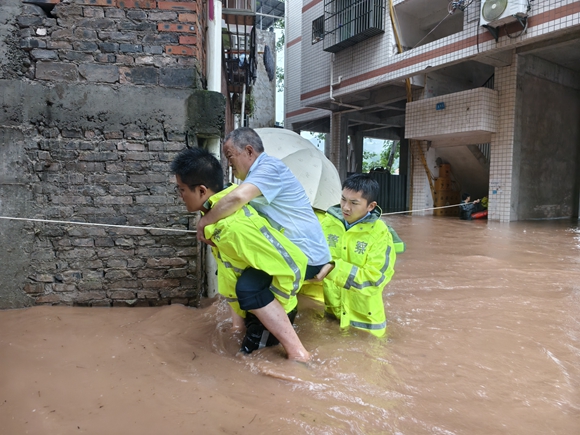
point(490, 88)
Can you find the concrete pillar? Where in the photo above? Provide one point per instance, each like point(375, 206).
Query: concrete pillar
point(501, 171)
point(404, 157)
point(337, 151)
point(358, 145)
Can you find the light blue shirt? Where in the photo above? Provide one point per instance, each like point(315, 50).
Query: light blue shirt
point(285, 204)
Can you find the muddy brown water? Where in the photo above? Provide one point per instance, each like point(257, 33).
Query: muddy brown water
point(484, 338)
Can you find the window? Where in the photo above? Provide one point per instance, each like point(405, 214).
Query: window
point(318, 29)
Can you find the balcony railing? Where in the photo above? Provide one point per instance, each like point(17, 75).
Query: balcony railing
point(239, 46)
point(239, 7)
point(348, 22)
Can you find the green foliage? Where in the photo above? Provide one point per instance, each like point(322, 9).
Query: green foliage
point(280, 24)
point(279, 79)
point(320, 138)
point(368, 160)
point(388, 159)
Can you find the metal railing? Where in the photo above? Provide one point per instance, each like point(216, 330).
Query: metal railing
point(239, 6)
point(348, 22)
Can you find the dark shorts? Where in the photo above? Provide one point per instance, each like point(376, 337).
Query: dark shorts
point(253, 289)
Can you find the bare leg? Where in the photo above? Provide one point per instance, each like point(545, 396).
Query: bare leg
point(237, 321)
point(275, 319)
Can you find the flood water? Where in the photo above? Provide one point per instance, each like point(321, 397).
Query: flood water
point(484, 338)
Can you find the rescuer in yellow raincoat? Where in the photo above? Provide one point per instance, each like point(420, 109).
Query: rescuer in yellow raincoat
point(259, 269)
point(364, 255)
point(246, 239)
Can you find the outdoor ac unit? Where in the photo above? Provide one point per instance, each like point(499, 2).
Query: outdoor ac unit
point(496, 12)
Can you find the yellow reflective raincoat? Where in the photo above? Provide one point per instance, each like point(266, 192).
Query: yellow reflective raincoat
point(364, 257)
point(246, 239)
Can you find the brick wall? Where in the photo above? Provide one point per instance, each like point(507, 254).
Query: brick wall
point(140, 42)
point(97, 98)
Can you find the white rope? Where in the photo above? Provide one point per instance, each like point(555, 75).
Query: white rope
point(180, 230)
point(427, 209)
point(97, 225)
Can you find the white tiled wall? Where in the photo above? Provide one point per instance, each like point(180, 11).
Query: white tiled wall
point(421, 191)
point(293, 57)
point(467, 111)
point(501, 159)
point(297, 37)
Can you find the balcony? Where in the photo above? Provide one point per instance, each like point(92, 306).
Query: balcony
point(461, 118)
point(347, 23)
point(238, 43)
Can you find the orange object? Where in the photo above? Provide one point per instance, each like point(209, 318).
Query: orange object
point(479, 215)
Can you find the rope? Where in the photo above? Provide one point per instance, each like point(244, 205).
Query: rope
point(181, 230)
point(97, 225)
point(425, 209)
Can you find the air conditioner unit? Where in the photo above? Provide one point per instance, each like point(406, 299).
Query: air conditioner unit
point(497, 12)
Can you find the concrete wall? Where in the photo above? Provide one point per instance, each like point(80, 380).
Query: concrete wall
point(549, 146)
point(264, 89)
point(95, 103)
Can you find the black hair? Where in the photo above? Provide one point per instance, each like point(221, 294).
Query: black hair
point(243, 136)
point(363, 183)
point(465, 196)
point(197, 166)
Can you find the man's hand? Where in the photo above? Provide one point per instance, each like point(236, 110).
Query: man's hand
point(324, 271)
point(200, 232)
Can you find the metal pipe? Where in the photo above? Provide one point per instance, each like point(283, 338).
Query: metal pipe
point(214, 71)
point(242, 121)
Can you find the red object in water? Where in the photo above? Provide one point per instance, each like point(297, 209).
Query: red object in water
point(479, 215)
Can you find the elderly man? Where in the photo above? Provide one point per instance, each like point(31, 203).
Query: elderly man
point(271, 188)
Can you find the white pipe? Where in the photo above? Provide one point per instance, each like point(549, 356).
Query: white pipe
point(332, 85)
point(214, 83)
point(242, 121)
point(214, 48)
point(214, 62)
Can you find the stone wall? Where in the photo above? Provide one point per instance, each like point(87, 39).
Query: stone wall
point(97, 98)
point(264, 89)
point(139, 42)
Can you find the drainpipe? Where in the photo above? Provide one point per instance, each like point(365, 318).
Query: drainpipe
point(242, 116)
point(214, 59)
point(332, 85)
point(214, 83)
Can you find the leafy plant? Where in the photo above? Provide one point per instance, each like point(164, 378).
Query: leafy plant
point(388, 159)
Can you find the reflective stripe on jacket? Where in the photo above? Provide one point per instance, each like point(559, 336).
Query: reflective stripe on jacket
point(364, 259)
point(246, 239)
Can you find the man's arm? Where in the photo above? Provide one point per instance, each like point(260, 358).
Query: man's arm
point(226, 206)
